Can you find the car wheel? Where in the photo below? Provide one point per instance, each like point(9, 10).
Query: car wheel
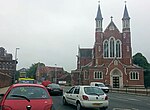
point(79, 107)
point(64, 101)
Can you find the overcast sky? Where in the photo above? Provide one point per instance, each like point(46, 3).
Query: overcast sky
point(49, 31)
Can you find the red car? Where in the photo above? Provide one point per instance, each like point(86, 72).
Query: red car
point(46, 82)
point(26, 97)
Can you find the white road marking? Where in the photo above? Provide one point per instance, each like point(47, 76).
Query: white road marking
point(125, 109)
point(134, 99)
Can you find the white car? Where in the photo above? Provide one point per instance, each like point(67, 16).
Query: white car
point(86, 96)
point(100, 85)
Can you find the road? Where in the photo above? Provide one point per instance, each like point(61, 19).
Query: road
point(117, 101)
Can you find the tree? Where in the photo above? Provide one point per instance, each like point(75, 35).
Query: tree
point(141, 61)
point(31, 73)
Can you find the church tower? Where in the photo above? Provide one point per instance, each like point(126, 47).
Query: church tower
point(127, 50)
point(98, 37)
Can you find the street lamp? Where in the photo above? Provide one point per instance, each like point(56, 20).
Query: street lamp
point(15, 63)
point(16, 53)
point(55, 74)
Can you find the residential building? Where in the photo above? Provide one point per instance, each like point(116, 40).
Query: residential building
point(7, 68)
point(53, 74)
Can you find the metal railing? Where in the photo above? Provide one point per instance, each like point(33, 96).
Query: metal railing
point(133, 90)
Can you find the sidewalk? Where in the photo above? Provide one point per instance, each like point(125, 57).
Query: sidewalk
point(137, 91)
point(3, 90)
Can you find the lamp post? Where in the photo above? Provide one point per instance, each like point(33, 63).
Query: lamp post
point(55, 74)
point(15, 63)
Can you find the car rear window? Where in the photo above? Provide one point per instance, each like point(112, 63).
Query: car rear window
point(27, 81)
point(29, 92)
point(93, 91)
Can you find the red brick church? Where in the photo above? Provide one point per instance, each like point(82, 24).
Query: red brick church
point(110, 59)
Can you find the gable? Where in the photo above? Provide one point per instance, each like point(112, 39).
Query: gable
point(112, 30)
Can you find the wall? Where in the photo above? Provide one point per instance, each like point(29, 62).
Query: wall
point(5, 80)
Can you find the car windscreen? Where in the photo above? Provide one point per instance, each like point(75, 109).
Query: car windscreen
point(93, 91)
point(29, 92)
point(100, 85)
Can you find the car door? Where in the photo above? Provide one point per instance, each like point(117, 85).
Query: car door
point(68, 95)
point(75, 95)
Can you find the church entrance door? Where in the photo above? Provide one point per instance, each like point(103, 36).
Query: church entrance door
point(116, 82)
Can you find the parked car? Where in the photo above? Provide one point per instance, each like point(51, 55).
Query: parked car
point(101, 86)
point(26, 97)
point(46, 82)
point(55, 89)
point(86, 96)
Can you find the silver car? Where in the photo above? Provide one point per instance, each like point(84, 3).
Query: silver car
point(86, 96)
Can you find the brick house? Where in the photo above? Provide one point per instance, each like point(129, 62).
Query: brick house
point(110, 59)
point(53, 74)
point(7, 68)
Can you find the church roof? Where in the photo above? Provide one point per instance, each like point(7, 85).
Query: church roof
point(84, 52)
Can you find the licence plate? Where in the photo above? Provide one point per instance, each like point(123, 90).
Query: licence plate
point(96, 103)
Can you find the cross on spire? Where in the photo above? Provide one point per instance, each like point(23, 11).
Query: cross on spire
point(111, 18)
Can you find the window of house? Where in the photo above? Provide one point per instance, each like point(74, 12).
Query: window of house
point(98, 75)
point(134, 75)
point(86, 75)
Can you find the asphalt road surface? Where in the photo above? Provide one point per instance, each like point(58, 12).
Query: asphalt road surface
point(117, 101)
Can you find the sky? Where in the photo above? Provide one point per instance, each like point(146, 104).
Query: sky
point(50, 31)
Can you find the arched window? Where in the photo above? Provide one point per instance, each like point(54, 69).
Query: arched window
point(112, 47)
point(134, 75)
point(98, 75)
point(106, 53)
point(118, 49)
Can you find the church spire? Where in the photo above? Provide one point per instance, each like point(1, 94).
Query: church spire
point(126, 19)
point(125, 15)
point(99, 20)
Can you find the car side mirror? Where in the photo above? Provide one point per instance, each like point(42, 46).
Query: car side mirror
point(67, 92)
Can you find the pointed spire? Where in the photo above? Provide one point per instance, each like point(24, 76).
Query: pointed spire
point(99, 15)
point(125, 15)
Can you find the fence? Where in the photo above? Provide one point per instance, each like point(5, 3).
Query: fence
point(139, 91)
